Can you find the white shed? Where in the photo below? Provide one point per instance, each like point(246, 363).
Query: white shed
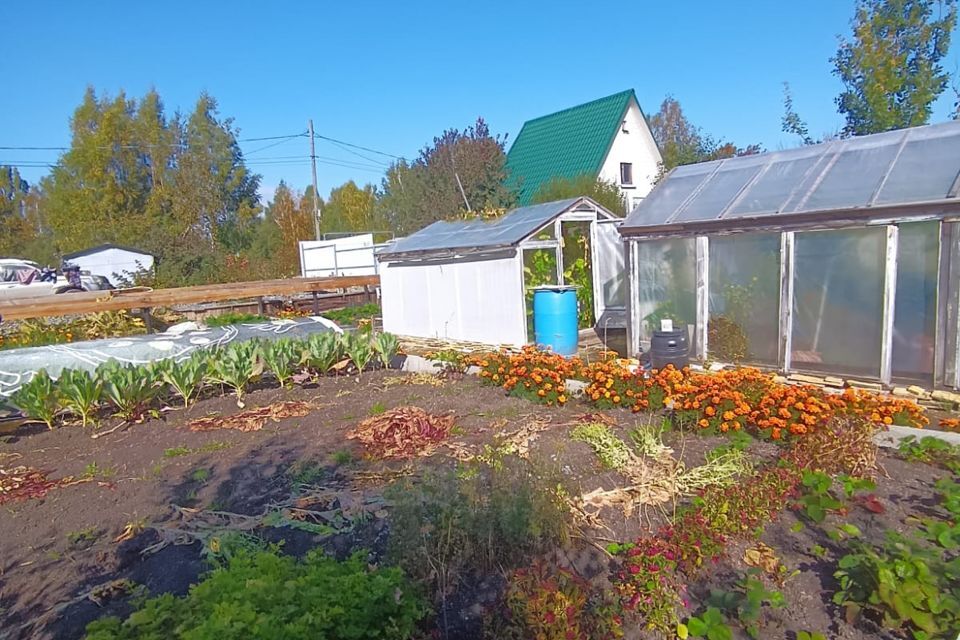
point(115, 263)
point(472, 280)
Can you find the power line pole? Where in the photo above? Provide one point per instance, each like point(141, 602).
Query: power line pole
point(316, 193)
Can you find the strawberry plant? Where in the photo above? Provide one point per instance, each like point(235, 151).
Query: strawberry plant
point(358, 349)
point(38, 398)
point(817, 500)
point(386, 345)
point(710, 624)
point(129, 388)
point(235, 366)
point(746, 602)
point(185, 378)
point(81, 392)
point(281, 358)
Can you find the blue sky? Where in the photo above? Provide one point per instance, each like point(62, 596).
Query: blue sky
point(390, 76)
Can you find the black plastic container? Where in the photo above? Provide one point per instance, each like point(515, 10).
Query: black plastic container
point(669, 347)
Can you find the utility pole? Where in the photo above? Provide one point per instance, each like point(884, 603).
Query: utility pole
point(316, 194)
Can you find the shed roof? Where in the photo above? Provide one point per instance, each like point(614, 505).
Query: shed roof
point(479, 234)
point(904, 168)
point(103, 247)
point(565, 144)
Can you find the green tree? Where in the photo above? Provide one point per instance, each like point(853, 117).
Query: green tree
point(681, 142)
point(460, 167)
point(603, 192)
point(890, 68)
point(293, 223)
point(349, 208)
point(15, 226)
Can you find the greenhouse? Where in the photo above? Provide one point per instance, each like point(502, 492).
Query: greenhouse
point(473, 280)
point(841, 258)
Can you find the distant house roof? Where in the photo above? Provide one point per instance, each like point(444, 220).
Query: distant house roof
point(862, 176)
point(505, 231)
point(565, 144)
point(103, 247)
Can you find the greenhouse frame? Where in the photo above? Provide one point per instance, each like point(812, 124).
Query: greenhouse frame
point(471, 280)
point(841, 258)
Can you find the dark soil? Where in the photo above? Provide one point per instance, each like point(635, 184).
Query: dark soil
point(55, 550)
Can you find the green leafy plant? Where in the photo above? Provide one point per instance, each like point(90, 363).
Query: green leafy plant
point(265, 595)
point(710, 624)
point(323, 351)
point(931, 450)
point(185, 377)
point(746, 602)
point(386, 345)
point(452, 363)
point(282, 357)
point(816, 499)
point(906, 584)
point(351, 315)
point(358, 348)
point(81, 392)
point(852, 485)
point(128, 387)
point(235, 366)
point(38, 398)
point(810, 635)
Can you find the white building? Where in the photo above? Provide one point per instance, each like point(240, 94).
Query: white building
point(607, 138)
point(117, 264)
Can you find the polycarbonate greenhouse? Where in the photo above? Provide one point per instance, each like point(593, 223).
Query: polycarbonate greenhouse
point(839, 258)
point(472, 280)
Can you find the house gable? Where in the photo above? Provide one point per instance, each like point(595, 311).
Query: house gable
point(565, 144)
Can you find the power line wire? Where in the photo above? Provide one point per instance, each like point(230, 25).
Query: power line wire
point(357, 146)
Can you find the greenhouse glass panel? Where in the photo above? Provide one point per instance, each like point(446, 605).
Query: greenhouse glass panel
point(854, 177)
point(717, 194)
point(770, 191)
point(925, 169)
point(915, 313)
point(660, 205)
point(953, 308)
point(744, 298)
point(666, 286)
point(608, 262)
point(838, 301)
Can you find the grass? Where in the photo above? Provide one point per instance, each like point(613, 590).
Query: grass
point(94, 470)
point(200, 475)
point(83, 537)
point(350, 315)
point(176, 452)
point(233, 317)
point(377, 409)
point(303, 474)
point(342, 457)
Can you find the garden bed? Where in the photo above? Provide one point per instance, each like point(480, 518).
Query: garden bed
point(155, 505)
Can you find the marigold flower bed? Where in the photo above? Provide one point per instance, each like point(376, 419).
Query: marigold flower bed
point(730, 400)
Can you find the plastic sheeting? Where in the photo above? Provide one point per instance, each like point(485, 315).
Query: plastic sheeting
point(611, 276)
point(915, 306)
point(744, 289)
point(918, 165)
point(666, 285)
point(838, 301)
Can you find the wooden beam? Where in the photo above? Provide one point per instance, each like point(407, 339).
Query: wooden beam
point(117, 300)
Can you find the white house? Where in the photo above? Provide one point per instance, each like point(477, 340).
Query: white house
point(607, 138)
point(115, 263)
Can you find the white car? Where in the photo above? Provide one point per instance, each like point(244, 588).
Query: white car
point(12, 287)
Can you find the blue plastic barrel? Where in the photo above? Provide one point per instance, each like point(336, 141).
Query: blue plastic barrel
point(555, 319)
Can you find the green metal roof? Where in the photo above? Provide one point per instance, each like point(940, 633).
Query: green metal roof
point(565, 144)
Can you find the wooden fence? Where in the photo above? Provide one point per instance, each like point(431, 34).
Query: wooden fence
point(125, 299)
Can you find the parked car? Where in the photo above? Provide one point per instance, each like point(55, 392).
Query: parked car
point(21, 279)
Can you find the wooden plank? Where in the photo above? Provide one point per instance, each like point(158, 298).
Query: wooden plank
point(93, 301)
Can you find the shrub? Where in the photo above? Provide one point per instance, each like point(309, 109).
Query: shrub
point(480, 517)
point(265, 595)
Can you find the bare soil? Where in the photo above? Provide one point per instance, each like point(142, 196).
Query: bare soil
point(53, 551)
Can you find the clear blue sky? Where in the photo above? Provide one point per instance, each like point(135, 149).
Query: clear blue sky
point(391, 75)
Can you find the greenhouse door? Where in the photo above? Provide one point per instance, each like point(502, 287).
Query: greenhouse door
point(609, 275)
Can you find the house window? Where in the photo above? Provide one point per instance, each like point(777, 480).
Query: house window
point(626, 173)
